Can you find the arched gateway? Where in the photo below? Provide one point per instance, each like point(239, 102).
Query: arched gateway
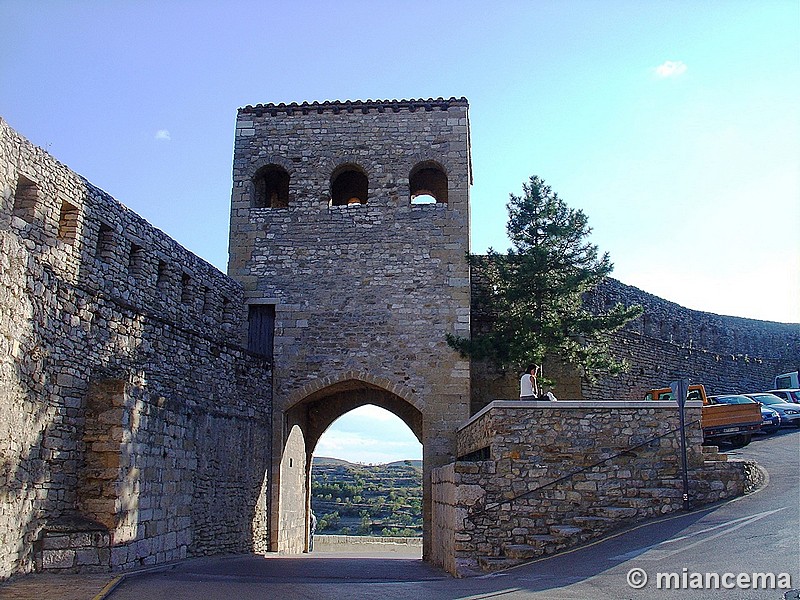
point(351, 292)
point(305, 421)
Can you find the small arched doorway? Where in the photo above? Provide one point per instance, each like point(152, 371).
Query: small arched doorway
point(302, 425)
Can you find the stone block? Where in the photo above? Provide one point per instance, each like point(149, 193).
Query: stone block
point(56, 542)
point(58, 559)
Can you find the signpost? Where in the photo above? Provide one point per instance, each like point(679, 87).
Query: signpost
point(680, 389)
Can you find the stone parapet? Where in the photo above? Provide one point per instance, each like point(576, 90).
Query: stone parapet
point(371, 541)
point(564, 425)
point(350, 106)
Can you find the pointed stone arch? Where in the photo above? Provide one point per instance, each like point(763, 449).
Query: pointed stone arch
point(313, 387)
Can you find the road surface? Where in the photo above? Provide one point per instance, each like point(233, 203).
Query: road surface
point(756, 534)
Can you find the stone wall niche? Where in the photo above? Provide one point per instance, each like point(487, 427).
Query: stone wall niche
point(97, 492)
point(80, 541)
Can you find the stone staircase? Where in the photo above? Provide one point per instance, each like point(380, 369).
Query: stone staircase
point(581, 529)
point(560, 537)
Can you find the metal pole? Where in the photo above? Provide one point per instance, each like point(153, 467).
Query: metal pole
point(681, 390)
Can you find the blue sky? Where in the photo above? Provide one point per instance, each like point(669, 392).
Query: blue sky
point(673, 125)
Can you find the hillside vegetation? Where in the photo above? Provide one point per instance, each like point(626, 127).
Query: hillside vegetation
point(352, 499)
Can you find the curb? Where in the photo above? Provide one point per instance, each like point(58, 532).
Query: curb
point(108, 588)
point(112, 585)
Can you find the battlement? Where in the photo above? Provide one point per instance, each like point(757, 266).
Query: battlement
point(86, 239)
point(121, 354)
point(352, 106)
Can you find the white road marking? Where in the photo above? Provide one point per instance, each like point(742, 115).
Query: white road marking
point(662, 550)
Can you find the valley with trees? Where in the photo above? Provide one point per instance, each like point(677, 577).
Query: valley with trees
point(376, 500)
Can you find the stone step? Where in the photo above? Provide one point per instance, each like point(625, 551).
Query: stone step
point(618, 513)
point(497, 563)
point(594, 523)
point(718, 457)
point(565, 531)
point(535, 548)
point(712, 453)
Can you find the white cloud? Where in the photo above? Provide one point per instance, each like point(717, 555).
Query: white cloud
point(369, 434)
point(163, 135)
point(370, 411)
point(366, 448)
point(671, 68)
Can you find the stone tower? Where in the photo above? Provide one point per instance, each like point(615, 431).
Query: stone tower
point(349, 230)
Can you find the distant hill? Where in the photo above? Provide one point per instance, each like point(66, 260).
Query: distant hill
point(401, 463)
point(325, 460)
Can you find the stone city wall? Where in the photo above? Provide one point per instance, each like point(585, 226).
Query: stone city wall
point(538, 477)
point(668, 342)
point(127, 402)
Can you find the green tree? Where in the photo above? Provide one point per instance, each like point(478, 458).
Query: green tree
point(533, 293)
point(365, 527)
point(329, 521)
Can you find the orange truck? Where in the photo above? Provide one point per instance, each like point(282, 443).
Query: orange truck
point(732, 423)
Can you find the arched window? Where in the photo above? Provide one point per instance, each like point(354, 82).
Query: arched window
point(271, 187)
point(349, 185)
point(428, 184)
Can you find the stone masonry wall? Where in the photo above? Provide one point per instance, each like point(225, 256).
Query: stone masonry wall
point(126, 399)
point(668, 342)
point(559, 474)
point(368, 287)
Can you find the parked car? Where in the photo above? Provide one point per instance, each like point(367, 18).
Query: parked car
point(789, 412)
point(729, 418)
point(788, 395)
point(720, 423)
point(770, 420)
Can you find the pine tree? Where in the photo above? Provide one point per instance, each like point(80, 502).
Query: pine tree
point(535, 290)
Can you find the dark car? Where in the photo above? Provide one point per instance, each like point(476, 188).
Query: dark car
point(788, 395)
point(790, 412)
point(770, 420)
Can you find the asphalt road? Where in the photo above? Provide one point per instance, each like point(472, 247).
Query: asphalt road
point(759, 533)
